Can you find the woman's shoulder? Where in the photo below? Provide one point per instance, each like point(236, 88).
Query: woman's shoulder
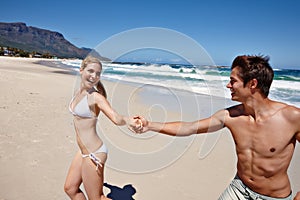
point(94, 94)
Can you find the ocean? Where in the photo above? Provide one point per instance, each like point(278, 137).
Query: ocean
point(207, 80)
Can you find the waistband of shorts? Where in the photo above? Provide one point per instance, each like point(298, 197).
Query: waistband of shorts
point(289, 197)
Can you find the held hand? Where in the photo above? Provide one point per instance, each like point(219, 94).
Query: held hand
point(143, 124)
point(135, 125)
point(139, 124)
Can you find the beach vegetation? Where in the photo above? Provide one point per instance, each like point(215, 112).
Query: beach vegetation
point(16, 52)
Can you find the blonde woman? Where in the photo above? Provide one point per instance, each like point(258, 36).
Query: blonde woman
point(87, 166)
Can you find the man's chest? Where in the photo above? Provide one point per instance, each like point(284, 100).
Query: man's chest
point(267, 137)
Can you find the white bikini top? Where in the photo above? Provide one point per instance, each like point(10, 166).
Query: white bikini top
point(82, 109)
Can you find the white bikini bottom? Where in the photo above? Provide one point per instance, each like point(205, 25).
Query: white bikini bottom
point(94, 158)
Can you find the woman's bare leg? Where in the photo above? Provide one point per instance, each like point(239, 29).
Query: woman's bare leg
point(93, 179)
point(74, 179)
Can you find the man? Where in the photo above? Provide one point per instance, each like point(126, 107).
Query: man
point(264, 131)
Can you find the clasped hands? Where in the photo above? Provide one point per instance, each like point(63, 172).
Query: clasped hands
point(138, 124)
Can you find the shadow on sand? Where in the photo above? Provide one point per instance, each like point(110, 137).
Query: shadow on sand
point(117, 193)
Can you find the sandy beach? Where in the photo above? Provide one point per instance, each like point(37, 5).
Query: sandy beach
point(38, 140)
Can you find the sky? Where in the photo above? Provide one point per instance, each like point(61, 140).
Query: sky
point(224, 29)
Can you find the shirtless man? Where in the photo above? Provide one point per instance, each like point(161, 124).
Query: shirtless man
point(265, 132)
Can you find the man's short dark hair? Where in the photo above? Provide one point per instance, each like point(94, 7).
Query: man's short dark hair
point(255, 67)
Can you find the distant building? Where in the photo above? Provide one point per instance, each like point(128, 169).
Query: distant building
point(7, 52)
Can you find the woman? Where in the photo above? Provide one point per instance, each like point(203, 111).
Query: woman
point(88, 164)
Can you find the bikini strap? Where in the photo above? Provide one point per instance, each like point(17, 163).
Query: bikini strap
point(93, 158)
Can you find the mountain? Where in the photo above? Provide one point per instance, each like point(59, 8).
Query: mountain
point(28, 38)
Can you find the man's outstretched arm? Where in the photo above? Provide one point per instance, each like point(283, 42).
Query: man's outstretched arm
point(181, 128)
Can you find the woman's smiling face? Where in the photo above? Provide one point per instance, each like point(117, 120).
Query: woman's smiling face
point(90, 75)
